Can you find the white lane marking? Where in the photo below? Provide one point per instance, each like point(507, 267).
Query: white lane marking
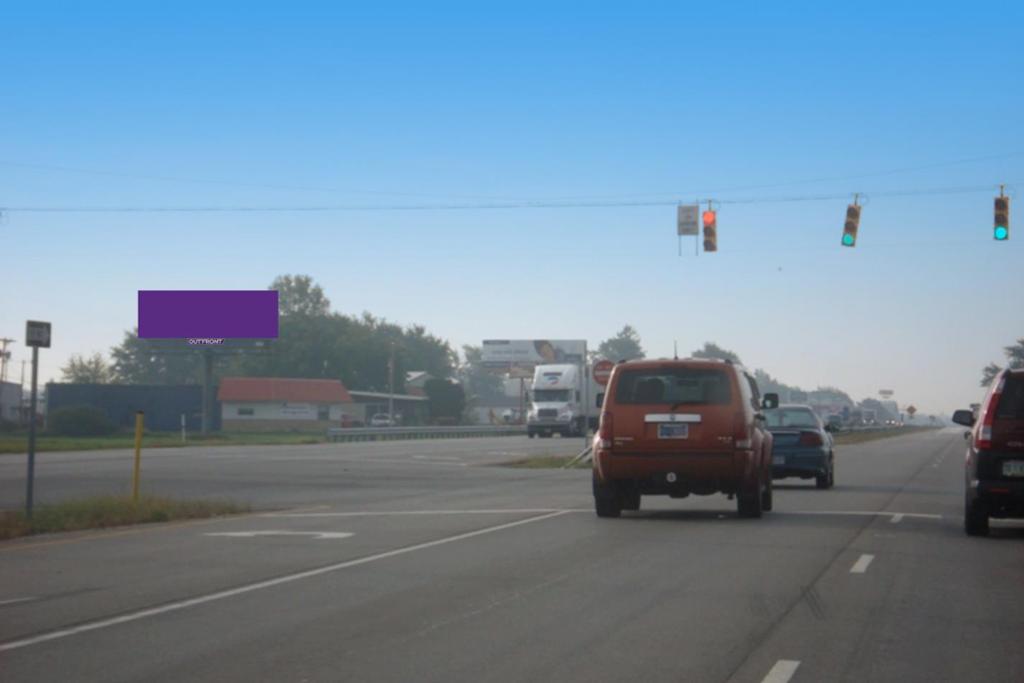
point(250, 534)
point(917, 515)
point(897, 518)
point(782, 671)
point(16, 600)
point(260, 585)
point(388, 513)
point(861, 565)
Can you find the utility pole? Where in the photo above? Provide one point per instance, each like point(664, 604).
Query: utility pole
point(207, 422)
point(391, 384)
point(4, 357)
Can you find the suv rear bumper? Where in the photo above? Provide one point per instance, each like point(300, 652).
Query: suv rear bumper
point(678, 475)
point(1002, 498)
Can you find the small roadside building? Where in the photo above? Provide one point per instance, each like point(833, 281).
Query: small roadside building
point(279, 404)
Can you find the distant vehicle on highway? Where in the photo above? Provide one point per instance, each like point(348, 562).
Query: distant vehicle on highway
point(681, 427)
point(563, 401)
point(383, 420)
point(994, 473)
point(801, 445)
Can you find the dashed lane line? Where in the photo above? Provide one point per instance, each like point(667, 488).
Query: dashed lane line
point(861, 565)
point(782, 671)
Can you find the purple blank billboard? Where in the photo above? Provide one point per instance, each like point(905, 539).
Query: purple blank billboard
point(218, 314)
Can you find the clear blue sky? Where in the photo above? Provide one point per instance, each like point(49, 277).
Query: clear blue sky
point(308, 104)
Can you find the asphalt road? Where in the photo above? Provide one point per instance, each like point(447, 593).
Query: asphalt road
point(414, 561)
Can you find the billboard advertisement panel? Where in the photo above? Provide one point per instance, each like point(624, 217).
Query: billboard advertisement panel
point(527, 353)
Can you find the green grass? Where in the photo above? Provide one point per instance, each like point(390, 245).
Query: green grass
point(545, 462)
point(18, 443)
point(109, 511)
point(860, 437)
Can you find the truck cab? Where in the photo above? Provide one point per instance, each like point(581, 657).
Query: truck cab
point(560, 401)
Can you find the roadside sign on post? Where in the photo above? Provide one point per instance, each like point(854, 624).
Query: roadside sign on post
point(603, 371)
point(688, 219)
point(37, 334)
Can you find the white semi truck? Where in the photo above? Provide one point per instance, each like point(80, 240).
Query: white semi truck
point(563, 402)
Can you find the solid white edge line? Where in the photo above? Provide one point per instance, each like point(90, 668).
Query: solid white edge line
point(782, 671)
point(387, 513)
point(916, 515)
point(14, 601)
point(259, 585)
point(861, 565)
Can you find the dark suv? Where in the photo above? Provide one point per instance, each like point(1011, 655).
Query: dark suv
point(676, 427)
point(995, 454)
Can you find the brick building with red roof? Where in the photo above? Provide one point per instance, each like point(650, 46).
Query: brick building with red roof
point(283, 404)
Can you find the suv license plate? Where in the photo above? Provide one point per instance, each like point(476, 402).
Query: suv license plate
point(1013, 468)
point(673, 431)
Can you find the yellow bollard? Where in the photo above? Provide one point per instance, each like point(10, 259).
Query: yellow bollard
point(138, 455)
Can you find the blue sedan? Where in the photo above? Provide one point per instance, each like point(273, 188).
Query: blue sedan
point(802, 445)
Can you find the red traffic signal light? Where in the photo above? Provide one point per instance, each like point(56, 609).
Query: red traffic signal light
point(710, 230)
point(851, 225)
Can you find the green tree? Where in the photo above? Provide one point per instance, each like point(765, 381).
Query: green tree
point(447, 400)
point(712, 350)
point(623, 346)
point(299, 295)
point(87, 370)
point(478, 382)
point(154, 361)
point(1014, 357)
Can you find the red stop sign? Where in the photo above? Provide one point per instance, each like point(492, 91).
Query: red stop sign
point(602, 371)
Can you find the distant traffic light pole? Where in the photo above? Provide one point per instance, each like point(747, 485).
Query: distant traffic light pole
point(1001, 226)
point(852, 223)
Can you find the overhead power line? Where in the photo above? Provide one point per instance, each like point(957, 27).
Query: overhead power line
point(490, 206)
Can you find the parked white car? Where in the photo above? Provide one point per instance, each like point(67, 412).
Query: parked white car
point(382, 420)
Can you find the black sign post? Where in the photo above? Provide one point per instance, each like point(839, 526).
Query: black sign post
point(37, 335)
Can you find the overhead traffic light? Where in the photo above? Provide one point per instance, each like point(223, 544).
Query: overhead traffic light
point(1001, 228)
point(710, 230)
point(850, 227)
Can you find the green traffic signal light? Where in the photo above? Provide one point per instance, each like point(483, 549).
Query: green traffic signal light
point(1001, 233)
point(848, 240)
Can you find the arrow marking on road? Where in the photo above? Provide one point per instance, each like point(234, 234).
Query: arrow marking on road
point(318, 535)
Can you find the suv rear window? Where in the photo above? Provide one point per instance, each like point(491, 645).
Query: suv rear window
point(1011, 403)
point(701, 386)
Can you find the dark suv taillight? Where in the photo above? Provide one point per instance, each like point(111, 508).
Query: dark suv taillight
point(988, 416)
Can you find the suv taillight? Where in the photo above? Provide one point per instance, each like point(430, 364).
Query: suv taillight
point(741, 431)
point(605, 430)
point(988, 416)
point(810, 439)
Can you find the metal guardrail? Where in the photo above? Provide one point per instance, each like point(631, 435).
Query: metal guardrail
point(396, 433)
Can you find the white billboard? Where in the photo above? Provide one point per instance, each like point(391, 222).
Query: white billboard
point(527, 353)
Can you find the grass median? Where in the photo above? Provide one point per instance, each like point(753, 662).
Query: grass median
point(109, 511)
point(18, 443)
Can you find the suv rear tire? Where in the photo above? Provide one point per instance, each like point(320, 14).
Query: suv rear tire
point(975, 518)
point(607, 502)
point(749, 501)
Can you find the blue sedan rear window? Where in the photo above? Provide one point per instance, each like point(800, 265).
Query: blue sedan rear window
point(786, 417)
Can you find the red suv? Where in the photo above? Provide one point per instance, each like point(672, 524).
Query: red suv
point(676, 427)
point(994, 485)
